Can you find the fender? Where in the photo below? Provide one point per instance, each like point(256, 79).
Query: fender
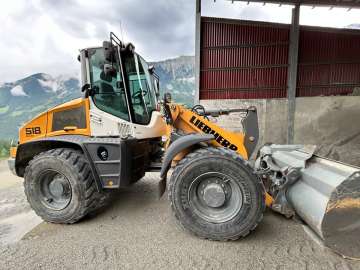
point(114, 171)
point(26, 151)
point(179, 145)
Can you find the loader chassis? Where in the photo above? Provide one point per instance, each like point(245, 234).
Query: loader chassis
point(71, 155)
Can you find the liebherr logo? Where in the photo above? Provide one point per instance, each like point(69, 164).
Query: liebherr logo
point(206, 129)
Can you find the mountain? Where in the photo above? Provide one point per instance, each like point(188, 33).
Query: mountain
point(354, 26)
point(177, 76)
point(23, 99)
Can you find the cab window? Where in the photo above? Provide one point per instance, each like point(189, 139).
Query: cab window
point(140, 88)
point(110, 93)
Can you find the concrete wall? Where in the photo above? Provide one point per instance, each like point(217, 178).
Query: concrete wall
point(272, 115)
point(332, 123)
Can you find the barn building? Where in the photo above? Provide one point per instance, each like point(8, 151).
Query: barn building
point(304, 80)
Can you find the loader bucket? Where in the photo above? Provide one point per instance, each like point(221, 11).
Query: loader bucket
point(326, 196)
point(341, 223)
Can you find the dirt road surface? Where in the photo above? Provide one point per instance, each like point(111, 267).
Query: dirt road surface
point(16, 217)
point(138, 231)
point(7, 179)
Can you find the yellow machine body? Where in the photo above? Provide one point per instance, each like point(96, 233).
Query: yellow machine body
point(189, 122)
point(70, 118)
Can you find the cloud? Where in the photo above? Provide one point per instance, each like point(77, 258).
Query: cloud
point(319, 16)
point(244, 11)
point(159, 29)
point(45, 35)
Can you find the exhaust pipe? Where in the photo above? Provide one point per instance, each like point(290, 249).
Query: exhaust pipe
point(323, 192)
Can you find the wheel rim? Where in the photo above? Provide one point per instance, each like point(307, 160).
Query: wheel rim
point(215, 197)
point(54, 190)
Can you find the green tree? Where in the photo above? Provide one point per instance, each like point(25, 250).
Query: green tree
point(4, 148)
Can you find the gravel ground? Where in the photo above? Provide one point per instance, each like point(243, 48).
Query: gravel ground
point(16, 217)
point(138, 231)
point(7, 179)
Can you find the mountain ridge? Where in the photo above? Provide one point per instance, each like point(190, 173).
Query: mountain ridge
point(21, 100)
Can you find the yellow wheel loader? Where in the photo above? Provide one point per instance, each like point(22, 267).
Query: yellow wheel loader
point(72, 155)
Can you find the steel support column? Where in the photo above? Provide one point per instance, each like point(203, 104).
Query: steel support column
point(292, 71)
point(197, 51)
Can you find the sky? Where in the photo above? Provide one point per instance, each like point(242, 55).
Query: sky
point(46, 35)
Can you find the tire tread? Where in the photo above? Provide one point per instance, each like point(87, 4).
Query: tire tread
point(209, 151)
point(93, 198)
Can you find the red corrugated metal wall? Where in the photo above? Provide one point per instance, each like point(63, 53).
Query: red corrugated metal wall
point(329, 62)
point(244, 60)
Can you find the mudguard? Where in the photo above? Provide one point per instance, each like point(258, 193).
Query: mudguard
point(179, 145)
point(111, 159)
point(26, 151)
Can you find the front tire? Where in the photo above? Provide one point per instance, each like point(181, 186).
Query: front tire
point(215, 195)
point(60, 187)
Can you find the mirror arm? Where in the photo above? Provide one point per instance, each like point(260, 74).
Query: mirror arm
point(88, 90)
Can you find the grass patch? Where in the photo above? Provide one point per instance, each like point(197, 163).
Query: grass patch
point(4, 149)
point(16, 113)
point(4, 109)
point(38, 108)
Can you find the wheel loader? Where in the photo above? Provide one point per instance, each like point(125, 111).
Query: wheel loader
point(74, 154)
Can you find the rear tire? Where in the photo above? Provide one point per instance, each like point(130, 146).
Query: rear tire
point(60, 187)
point(215, 195)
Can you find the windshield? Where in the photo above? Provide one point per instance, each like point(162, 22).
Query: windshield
point(141, 87)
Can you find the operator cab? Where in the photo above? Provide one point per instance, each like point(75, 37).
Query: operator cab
point(119, 81)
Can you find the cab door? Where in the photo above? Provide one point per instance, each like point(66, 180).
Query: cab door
point(109, 113)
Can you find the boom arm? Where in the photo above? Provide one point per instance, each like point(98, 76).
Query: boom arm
point(185, 121)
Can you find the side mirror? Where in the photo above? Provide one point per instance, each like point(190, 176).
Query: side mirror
point(151, 69)
point(109, 70)
point(167, 98)
point(108, 51)
point(157, 86)
point(129, 48)
point(89, 92)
